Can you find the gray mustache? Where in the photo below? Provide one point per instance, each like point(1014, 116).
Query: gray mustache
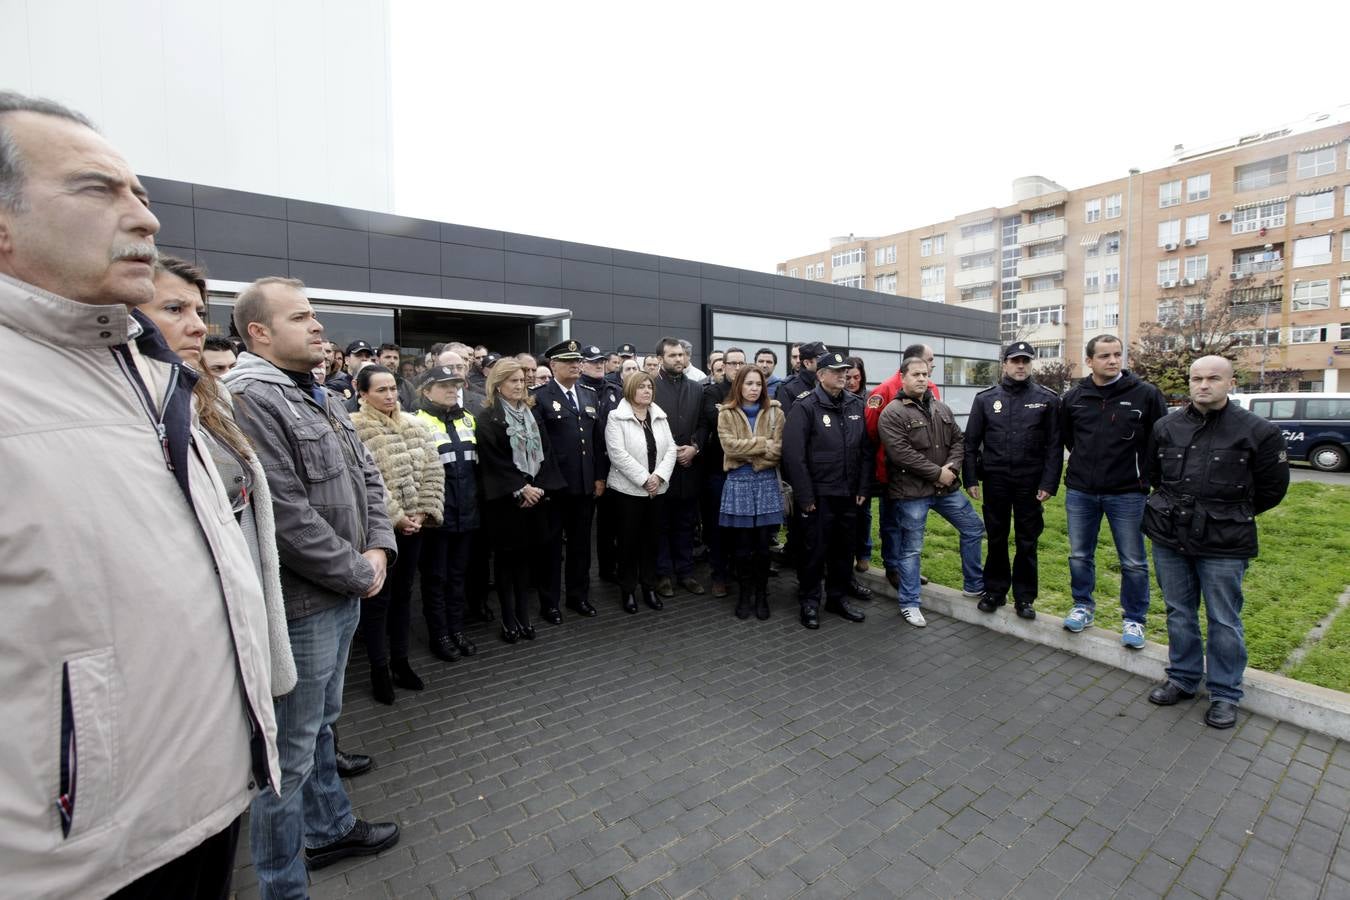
point(135, 251)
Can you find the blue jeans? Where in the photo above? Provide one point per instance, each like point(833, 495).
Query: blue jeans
point(1183, 580)
point(1125, 514)
point(912, 516)
point(313, 809)
point(889, 532)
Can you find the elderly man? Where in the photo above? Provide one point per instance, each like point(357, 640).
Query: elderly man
point(136, 719)
point(1215, 467)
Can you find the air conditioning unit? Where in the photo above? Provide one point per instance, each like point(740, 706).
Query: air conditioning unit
point(1237, 276)
point(1225, 217)
point(1189, 242)
point(1169, 247)
point(1188, 281)
point(1169, 284)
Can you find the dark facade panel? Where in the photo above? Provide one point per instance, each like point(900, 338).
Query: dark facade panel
point(405, 254)
point(722, 273)
point(175, 225)
point(686, 318)
point(233, 233)
point(464, 261)
point(320, 243)
point(409, 284)
point(600, 332)
point(592, 305)
point(473, 289)
point(403, 226)
point(679, 287)
point(641, 282)
point(756, 297)
point(680, 267)
point(528, 243)
point(637, 260)
point(326, 214)
point(586, 252)
point(792, 303)
point(243, 202)
point(326, 275)
point(162, 190)
point(184, 253)
point(240, 267)
point(632, 310)
point(533, 295)
point(644, 337)
point(587, 276)
point(719, 293)
point(473, 237)
point(527, 268)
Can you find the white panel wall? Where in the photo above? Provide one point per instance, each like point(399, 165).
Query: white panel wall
point(282, 97)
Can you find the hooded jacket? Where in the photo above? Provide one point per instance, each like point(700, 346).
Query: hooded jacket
point(1106, 431)
point(136, 718)
point(328, 499)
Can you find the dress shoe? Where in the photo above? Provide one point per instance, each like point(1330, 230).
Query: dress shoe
point(691, 585)
point(1024, 609)
point(858, 591)
point(893, 577)
point(719, 589)
point(629, 602)
point(527, 632)
point(989, 603)
point(583, 608)
point(551, 616)
point(650, 598)
point(349, 765)
point(842, 609)
point(445, 648)
point(466, 647)
point(1221, 714)
point(510, 634)
point(1167, 693)
point(382, 684)
point(365, 839)
point(811, 618)
point(404, 676)
point(665, 588)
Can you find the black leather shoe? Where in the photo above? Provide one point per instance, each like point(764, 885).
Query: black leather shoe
point(583, 608)
point(858, 591)
point(692, 585)
point(510, 634)
point(551, 616)
point(1024, 610)
point(365, 839)
point(629, 602)
point(349, 765)
point(465, 646)
point(1167, 694)
point(527, 632)
point(842, 609)
point(811, 618)
point(650, 598)
point(989, 603)
point(893, 577)
point(1221, 714)
point(665, 588)
point(445, 648)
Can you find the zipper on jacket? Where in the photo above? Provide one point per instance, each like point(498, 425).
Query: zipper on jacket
point(147, 403)
point(65, 797)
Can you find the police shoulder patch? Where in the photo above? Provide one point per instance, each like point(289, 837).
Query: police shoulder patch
point(874, 401)
point(802, 394)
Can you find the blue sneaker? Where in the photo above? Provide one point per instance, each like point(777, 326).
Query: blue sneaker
point(1133, 636)
point(1079, 617)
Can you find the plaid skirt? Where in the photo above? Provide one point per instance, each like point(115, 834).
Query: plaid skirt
point(751, 499)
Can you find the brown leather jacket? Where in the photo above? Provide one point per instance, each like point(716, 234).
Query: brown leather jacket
point(920, 438)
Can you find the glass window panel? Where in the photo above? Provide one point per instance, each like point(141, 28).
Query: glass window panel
point(880, 365)
point(834, 336)
point(964, 371)
point(973, 349)
point(937, 343)
point(764, 329)
point(870, 337)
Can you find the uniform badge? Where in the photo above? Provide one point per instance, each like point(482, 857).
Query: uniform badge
point(590, 410)
point(825, 420)
point(874, 401)
point(802, 394)
point(557, 407)
point(347, 392)
point(998, 406)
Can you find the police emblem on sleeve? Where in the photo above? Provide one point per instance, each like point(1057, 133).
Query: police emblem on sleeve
point(998, 406)
point(874, 401)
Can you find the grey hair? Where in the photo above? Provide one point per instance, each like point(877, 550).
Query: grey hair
point(11, 161)
point(251, 305)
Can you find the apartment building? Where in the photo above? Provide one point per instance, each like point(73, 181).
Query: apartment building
point(1264, 218)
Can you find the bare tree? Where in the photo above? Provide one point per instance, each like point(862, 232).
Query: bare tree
point(1055, 374)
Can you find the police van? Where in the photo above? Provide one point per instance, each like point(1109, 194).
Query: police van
point(1315, 426)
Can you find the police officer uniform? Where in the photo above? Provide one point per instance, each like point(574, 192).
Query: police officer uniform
point(803, 382)
point(827, 458)
point(1013, 451)
point(625, 351)
point(573, 422)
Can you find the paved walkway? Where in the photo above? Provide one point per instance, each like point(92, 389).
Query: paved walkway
point(685, 753)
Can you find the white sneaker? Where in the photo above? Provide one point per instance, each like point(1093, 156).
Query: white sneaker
point(914, 616)
point(976, 594)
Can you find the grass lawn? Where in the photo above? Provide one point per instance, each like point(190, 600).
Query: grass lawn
point(1303, 567)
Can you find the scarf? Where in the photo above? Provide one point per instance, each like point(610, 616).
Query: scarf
point(751, 411)
point(527, 451)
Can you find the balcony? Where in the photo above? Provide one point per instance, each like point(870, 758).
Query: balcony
point(1256, 299)
point(851, 270)
point(1035, 334)
point(965, 278)
point(1030, 267)
point(1042, 231)
point(1053, 297)
point(981, 243)
point(984, 304)
point(1248, 269)
point(1255, 180)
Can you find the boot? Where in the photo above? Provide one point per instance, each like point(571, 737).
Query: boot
point(762, 592)
point(745, 600)
point(629, 602)
point(649, 597)
point(404, 676)
point(382, 684)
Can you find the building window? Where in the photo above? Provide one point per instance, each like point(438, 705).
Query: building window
point(1092, 281)
point(855, 281)
point(1345, 246)
point(1092, 210)
point(1261, 174)
point(1197, 227)
point(1169, 232)
point(978, 228)
point(1111, 278)
point(1312, 251)
point(1112, 242)
point(1168, 311)
point(1307, 334)
point(933, 280)
point(820, 270)
point(1054, 350)
point(1312, 207)
point(977, 261)
point(1311, 295)
point(1092, 251)
point(1169, 194)
point(1249, 262)
point(885, 283)
point(1254, 218)
point(1197, 267)
point(792, 272)
point(1169, 271)
point(1197, 188)
point(847, 257)
point(926, 247)
point(1345, 290)
point(1110, 315)
point(1089, 318)
point(1269, 336)
point(1041, 315)
point(1041, 283)
point(1113, 206)
point(1049, 248)
point(1195, 309)
point(885, 256)
point(1317, 162)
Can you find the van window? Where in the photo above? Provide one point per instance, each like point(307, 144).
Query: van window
point(1274, 409)
point(1328, 408)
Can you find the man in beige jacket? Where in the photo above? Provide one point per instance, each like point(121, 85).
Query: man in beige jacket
point(136, 719)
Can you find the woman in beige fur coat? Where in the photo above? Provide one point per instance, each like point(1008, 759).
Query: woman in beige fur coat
point(414, 482)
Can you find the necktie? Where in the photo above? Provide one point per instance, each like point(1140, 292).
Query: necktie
point(572, 401)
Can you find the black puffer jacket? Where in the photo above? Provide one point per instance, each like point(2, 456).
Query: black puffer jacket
point(1106, 431)
point(1013, 433)
point(826, 452)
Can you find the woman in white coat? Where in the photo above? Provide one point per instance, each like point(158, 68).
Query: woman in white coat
point(641, 459)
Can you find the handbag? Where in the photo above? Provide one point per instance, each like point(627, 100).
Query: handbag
point(787, 496)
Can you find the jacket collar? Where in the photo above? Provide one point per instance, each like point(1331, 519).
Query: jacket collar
point(57, 320)
point(625, 411)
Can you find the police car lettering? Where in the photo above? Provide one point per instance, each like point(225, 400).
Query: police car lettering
point(1293, 435)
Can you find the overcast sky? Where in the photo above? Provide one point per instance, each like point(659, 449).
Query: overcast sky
point(745, 134)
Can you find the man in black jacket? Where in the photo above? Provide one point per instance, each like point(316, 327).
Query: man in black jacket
point(1215, 467)
point(1105, 422)
point(827, 459)
point(803, 382)
point(682, 402)
point(1013, 446)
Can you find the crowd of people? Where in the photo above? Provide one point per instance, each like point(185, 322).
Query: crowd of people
point(221, 516)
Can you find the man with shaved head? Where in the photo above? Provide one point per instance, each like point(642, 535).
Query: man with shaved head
point(1214, 467)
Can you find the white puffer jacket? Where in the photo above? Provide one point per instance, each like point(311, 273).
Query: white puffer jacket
point(627, 446)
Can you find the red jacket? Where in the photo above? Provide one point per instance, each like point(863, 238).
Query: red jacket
point(881, 395)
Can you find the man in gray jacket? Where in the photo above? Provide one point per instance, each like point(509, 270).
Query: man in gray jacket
point(335, 543)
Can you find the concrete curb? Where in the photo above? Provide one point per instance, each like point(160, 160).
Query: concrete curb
point(1306, 705)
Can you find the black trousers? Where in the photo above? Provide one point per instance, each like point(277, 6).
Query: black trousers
point(386, 618)
point(1011, 503)
point(607, 534)
point(675, 546)
point(639, 524)
point(445, 580)
point(828, 540)
point(480, 571)
point(203, 873)
point(715, 537)
point(575, 513)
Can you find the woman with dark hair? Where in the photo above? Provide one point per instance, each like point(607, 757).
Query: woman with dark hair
point(414, 484)
point(517, 473)
point(179, 312)
point(855, 381)
point(750, 427)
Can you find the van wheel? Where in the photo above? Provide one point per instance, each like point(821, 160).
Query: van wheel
point(1327, 457)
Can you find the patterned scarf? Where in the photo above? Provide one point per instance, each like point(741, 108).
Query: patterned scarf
point(527, 451)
